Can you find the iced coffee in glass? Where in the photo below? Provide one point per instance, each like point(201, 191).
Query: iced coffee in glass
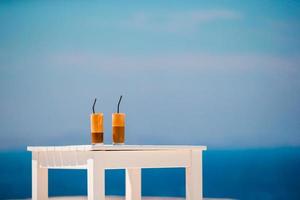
point(97, 131)
point(118, 128)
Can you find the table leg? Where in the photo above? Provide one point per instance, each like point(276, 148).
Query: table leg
point(133, 184)
point(39, 179)
point(194, 177)
point(96, 181)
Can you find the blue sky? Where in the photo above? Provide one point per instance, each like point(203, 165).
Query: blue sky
point(221, 73)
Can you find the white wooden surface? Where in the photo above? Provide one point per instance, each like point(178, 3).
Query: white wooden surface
point(130, 157)
point(103, 147)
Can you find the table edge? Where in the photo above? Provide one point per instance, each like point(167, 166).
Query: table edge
point(87, 148)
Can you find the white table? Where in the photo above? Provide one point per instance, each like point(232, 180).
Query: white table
point(130, 157)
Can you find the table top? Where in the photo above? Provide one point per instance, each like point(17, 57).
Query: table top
point(102, 147)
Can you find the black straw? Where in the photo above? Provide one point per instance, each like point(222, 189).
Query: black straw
point(94, 105)
point(119, 103)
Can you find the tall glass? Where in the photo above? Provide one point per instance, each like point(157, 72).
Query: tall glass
point(118, 128)
point(97, 131)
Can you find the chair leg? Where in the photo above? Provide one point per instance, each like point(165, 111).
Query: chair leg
point(133, 184)
point(194, 177)
point(96, 181)
point(39, 179)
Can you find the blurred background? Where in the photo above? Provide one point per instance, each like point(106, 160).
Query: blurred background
point(225, 74)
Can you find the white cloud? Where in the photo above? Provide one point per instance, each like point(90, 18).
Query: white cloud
point(177, 21)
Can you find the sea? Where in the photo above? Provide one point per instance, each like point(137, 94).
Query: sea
point(271, 173)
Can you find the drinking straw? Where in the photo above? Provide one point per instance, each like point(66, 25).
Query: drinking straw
point(94, 105)
point(119, 103)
